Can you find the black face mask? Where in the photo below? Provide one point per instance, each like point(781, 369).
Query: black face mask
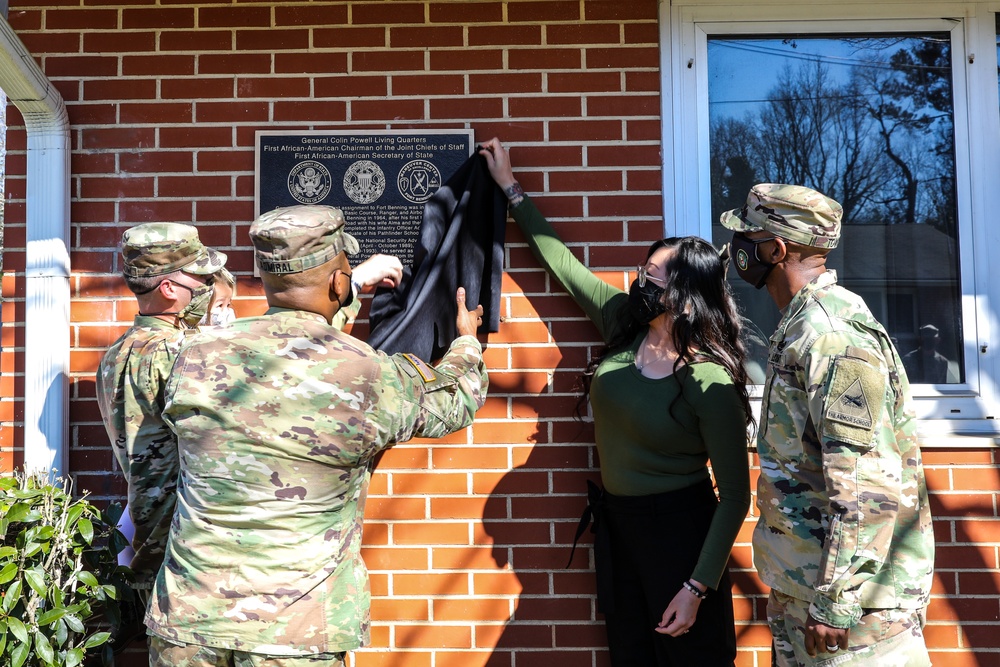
point(748, 264)
point(646, 302)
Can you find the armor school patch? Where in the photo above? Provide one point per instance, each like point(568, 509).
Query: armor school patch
point(854, 402)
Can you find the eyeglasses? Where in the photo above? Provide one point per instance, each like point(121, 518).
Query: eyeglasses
point(642, 275)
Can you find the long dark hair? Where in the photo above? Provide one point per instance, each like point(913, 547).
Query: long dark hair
point(707, 325)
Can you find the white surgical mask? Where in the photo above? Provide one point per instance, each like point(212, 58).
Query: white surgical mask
point(220, 317)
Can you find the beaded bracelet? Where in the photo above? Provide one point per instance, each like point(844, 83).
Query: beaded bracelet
point(695, 591)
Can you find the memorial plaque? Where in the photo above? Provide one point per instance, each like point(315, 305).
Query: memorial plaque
point(380, 179)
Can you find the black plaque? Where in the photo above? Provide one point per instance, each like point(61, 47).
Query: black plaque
point(380, 179)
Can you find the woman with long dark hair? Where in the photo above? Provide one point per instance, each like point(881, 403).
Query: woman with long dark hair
point(668, 395)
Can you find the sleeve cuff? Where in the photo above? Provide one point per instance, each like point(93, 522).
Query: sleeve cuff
point(834, 614)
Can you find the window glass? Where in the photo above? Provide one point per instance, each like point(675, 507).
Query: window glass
point(868, 121)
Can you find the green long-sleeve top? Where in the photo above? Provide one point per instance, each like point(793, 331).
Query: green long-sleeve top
point(645, 447)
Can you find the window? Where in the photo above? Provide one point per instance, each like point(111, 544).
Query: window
point(869, 121)
point(877, 112)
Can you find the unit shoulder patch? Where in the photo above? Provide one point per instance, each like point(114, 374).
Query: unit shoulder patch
point(854, 401)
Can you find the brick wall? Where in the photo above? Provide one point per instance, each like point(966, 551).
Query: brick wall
point(467, 537)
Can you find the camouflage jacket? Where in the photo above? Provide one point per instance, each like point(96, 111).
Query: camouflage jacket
point(278, 419)
point(844, 518)
point(130, 383)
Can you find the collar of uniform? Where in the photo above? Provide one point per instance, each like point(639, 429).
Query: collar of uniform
point(153, 322)
point(801, 298)
point(293, 312)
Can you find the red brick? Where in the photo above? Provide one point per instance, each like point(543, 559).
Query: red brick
point(612, 10)
point(465, 13)
point(543, 12)
point(396, 609)
point(272, 39)
point(197, 88)
point(24, 20)
point(642, 33)
point(272, 87)
point(549, 105)
point(158, 18)
point(354, 86)
point(196, 40)
point(100, 113)
point(975, 479)
point(600, 156)
point(429, 583)
point(466, 107)
point(81, 66)
point(234, 17)
point(138, 211)
point(583, 33)
point(622, 58)
point(623, 105)
point(119, 89)
point(54, 42)
point(394, 558)
point(81, 19)
point(311, 15)
point(428, 84)
point(156, 113)
point(119, 137)
point(195, 186)
point(227, 161)
point(222, 112)
point(381, 13)
point(515, 82)
point(624, 204)
point(387, 61)
point(161, 64)
point(195, 137)
point(116, 188)
point(505, 35)
point(642, 81)
point(387, 109)
point(151, 162)
point(235, 63)
point(350, 37)
point(426, 37)
point(470, 61)
point(544, 59)
point(310, 63)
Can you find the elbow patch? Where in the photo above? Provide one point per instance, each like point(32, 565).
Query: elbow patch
point(855, 399)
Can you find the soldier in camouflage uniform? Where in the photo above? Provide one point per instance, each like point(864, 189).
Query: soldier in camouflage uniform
point(279, 419)
point(171, 273)
point(844, 537)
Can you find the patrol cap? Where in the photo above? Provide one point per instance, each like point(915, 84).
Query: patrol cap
point(793, 212)
point(159, 248)
point(295, 238)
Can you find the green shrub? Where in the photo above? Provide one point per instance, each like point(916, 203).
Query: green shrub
point(58, 570)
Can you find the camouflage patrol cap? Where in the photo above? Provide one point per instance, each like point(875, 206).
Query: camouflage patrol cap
point(159, 248)
point(296, 238)
point(792, 212)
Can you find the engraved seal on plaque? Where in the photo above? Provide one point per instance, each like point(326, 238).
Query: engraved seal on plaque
point(418, 180)
point(364, 182)
point(309, 182)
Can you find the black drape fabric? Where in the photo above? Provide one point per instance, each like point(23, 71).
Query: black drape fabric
point(460, 245)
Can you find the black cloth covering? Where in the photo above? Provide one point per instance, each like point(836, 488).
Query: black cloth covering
point(460, 245)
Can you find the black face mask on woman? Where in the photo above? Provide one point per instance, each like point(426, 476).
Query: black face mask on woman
point(646, 301)
point(748, 264)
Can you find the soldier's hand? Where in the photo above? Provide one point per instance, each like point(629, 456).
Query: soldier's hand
point(468, 321)
point(822, 638)
point(376, 271)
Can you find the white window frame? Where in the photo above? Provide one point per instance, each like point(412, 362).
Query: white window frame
point(971, 409)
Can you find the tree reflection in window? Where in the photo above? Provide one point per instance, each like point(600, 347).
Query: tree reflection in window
point(867, 120)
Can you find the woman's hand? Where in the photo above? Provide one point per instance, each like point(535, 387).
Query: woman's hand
point(498, 161)
point(680, 614)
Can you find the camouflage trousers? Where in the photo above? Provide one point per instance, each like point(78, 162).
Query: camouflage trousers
point(883, 637)
point(165, 653)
